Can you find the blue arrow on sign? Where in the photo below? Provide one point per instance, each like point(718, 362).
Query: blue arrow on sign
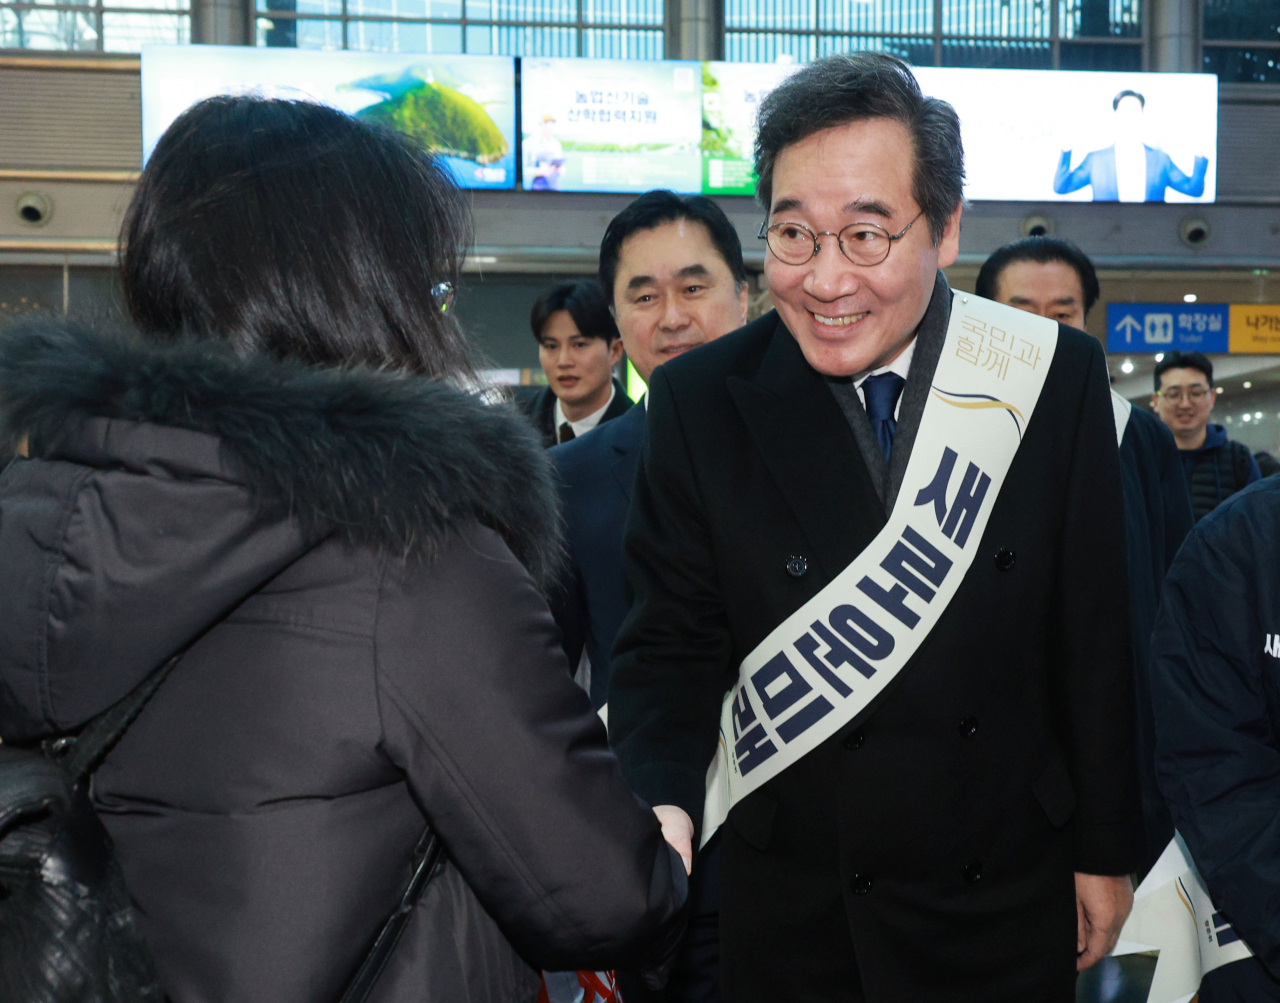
point(1127, 327)
point(1167, 327)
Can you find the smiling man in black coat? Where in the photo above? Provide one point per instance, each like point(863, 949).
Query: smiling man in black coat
point(968, 835)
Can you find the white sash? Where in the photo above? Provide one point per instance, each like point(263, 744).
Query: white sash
point(819, 668)
point(1121, 410)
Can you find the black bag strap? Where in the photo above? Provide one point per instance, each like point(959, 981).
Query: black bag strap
point(85, 754)
point(427, 854)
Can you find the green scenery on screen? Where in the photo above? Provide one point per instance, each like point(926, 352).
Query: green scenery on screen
point(445, 120)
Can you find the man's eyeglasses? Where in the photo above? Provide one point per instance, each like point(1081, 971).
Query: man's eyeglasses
point(1175, 395)
point(864, 244)
point(443, 296)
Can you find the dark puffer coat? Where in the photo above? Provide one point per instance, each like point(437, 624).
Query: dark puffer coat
point(348, 549)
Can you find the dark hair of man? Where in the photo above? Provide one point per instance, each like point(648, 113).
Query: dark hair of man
point(852, 88)
point(291, 230)
point(1042, 251)
point(1184, 360)
point(586, 305)
point(650, 211)
point(1128, 94)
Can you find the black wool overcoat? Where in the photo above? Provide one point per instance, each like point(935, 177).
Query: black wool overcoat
point(355, 555)
point(926, 850)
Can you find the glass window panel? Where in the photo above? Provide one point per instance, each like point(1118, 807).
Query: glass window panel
point(325, 35)
point(998, 55)
point(62, 3)
point(171, 5)
point(277, 33)
point(999, 18)
point(26, 290)
point(758, 47)
point(328, 8)
point(510, 40)
point(534, 10)
point(67, 31)
point(1255, 20)
point(1100, 18)
point(479, 10)
point(622, 44)
point(479, 39)
point(386, 36)
point(130, 32)
point(917, 51)
point(387, 8)
point(778, 15)
point(622, 11)
point(897, 17)
point(1243, 66)
point(1082, 56)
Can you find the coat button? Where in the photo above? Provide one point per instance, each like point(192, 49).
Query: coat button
point(969, 727)
point(1005, 559)
point(973, 872)
point(797, 566)
point(860, 884)
point(854, 742)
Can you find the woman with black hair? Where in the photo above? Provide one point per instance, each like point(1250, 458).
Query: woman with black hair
point(286, 477)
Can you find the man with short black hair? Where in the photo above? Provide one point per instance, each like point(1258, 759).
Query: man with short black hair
point(672, 265)
point(905, 651)
point(1052, 277)
point(578, 346)
point(1216, 467)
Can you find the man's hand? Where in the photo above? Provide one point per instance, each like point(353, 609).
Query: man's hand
point(677, 830)
point(1102, 906)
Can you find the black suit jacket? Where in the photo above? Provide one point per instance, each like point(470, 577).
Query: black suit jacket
point(928, 848)
point(1158, 518)
point(540, 406)
point(596, 474)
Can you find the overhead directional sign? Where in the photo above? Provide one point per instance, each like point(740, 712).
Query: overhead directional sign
point(1167, 327)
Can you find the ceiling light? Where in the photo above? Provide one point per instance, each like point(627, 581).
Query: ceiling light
point(1126, 367)
point(1247, 384)
point(1189, 298)
point(1246, 417)
point(1159, 356)
point(1217, 390)
point(1258, 415)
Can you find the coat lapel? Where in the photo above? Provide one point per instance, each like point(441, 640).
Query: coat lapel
point(809, 451)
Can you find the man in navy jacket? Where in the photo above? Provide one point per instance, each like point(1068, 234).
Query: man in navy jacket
point(1215, 677)
point(672, 266)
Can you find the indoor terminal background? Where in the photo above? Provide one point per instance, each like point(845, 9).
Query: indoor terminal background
point(70, 140)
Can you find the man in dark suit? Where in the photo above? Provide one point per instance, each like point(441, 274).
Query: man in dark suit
point(1054, 278)
point(578, 346)
point(968, 836)
point(673, 267)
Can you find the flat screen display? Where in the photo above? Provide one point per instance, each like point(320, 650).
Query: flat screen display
point(461, 107)
point(1060, 135)
point(606, 125)
point(731, 94)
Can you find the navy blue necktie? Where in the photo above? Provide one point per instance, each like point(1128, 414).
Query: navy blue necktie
point(881, 394)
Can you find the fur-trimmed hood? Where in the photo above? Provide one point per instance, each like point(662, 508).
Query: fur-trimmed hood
point(383, 459)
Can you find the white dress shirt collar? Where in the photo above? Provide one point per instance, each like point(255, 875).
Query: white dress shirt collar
point(583, 425)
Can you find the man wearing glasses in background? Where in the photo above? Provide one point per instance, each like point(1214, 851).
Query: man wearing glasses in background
point(1216, 467)
point(963, 832)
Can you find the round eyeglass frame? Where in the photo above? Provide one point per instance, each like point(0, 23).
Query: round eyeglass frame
point(443, 295)
point(767, 228)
